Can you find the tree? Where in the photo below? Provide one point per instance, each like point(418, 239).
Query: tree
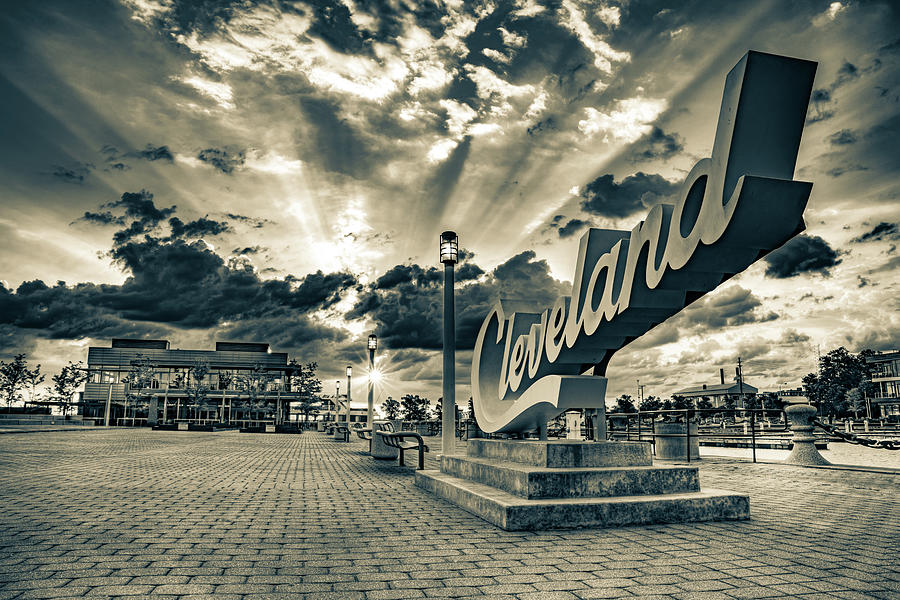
point(254, 385)
point(308, 386)
point(854, 399)
point(13, 377)
point(391, 408)
point(752, 401)
point(650, 403)
point(225, 380)
point(681, 403)
point(437, 412)
point(839, 372)
point(624, 405)
point(197, 386)
point(66, 382)
point(414, 408)
point(471, 409)
point(139, 378)
point(704, 403)
point(34, 378)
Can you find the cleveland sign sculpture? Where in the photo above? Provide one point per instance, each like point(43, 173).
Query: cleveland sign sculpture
point(734, 207)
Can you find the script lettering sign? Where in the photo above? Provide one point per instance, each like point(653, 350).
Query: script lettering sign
point(734, 208)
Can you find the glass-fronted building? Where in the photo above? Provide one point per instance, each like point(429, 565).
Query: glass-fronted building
point(885, 371)
point(244, 384)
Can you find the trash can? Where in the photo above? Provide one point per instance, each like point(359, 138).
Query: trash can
point(379, 448)
point(671, 443)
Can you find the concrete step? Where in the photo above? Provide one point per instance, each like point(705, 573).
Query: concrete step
point(541, 482)
point(514, 513)
point(563, 453)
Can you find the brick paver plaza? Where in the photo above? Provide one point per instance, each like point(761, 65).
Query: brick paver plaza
point(134, 512)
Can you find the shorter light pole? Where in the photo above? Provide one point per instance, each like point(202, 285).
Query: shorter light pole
point(337, 400)
point(349, 373)
point(370, 414)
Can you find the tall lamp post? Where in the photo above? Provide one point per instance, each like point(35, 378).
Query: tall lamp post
point(349, 373)
point(449, 256)
point(370, 414)
point(337, 400)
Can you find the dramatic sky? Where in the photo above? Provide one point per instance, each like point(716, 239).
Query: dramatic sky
point(280, 171)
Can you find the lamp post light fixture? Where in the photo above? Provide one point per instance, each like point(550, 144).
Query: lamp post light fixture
point(349, 373)
point(372, 345)
point(449, 256)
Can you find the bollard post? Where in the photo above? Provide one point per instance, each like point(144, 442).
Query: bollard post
point(753, 433)
point(804, 451)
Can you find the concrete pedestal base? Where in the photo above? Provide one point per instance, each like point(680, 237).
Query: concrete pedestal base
point(532, 485)
point(804, 451)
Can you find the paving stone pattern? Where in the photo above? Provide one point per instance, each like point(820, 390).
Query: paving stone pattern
point(137, 513)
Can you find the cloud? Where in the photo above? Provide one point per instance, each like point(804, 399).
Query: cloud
point(845, 74)
point(102, 218)
point(821, 107)
point(892, 47)
point(114, 159)
point(603, 196)
point(174, 283)
point(627, 122)
point(846, 168)
point(406, 301)
point(218, 91)
point(790, 337)
point(843, 137)
point(892, 265)
point(74, 174)
point(802, 254)
point(248, 250)
point(468, 271)
point(823, 102)
point(280, 332)
point(573, 19)
point(224, 160)
point(138, 206)
point(658, 145)
point(830, 14)
point(882, 231)
point(572, 227)
point(256, 222)
point(197, 228)
point(154, 153)
point(730, 307)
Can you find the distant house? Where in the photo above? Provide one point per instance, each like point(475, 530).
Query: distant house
point(885, 370)
point(719, 392)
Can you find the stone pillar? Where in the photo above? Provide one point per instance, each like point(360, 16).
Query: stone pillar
point(804, 451)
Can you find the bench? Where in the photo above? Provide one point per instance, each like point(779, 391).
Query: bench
point(341, 431)
point(365, 433)
point(396, 439)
